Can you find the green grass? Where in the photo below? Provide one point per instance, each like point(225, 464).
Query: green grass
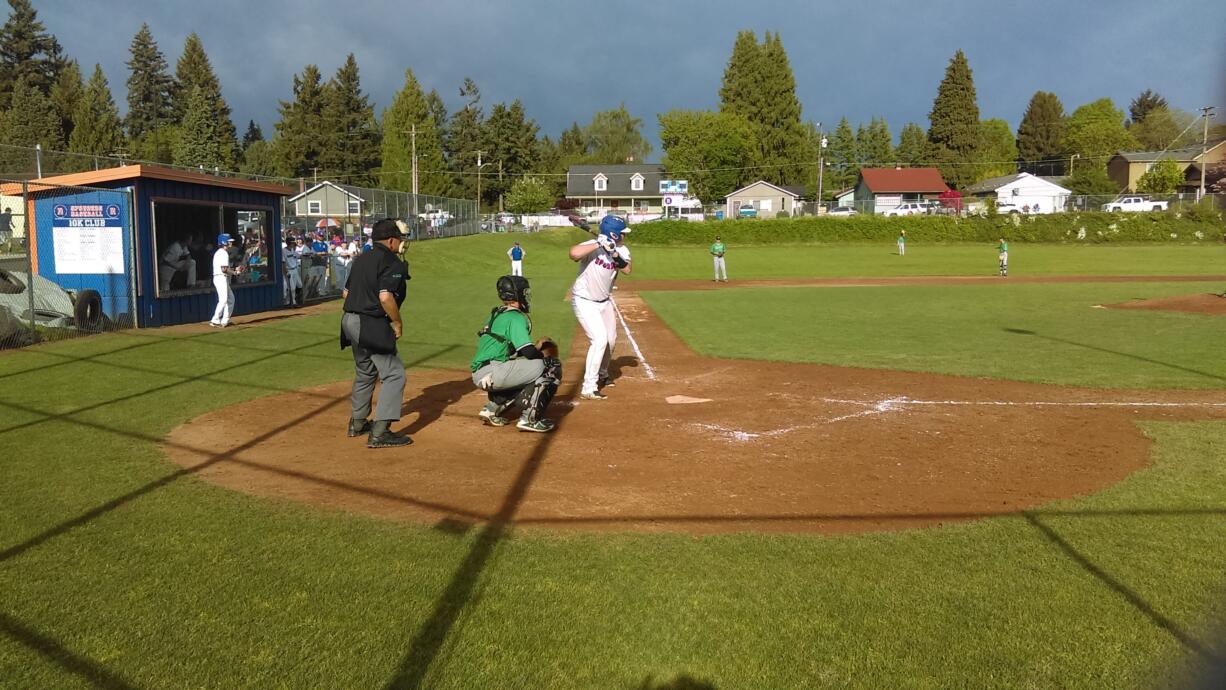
point(1046, 333)
point(863, 260)
point(116, 571)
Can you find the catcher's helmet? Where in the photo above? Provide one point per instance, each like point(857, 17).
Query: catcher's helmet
point(613, 227)
point(515, 288)
point(223, 239)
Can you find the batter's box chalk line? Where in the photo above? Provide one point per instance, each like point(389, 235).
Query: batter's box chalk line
point(901, 403)
point(651, 374)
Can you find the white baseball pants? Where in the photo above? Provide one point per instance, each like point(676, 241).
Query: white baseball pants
point(225, 299)
point(517, 268)
point(720, 268)
point(599, 322)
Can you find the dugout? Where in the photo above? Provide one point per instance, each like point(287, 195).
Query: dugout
point(167, 214)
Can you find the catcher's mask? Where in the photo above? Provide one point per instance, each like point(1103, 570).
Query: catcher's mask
point(515, 288)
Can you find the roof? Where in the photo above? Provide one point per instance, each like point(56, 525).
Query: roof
point(902, 180)
point(1183, 155)
point(132, 172)
point(580, 179)
point(993, 183)
point(795, 192)
point(327, 184)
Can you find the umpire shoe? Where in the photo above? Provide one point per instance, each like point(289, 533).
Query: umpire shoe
point(605, 382)
point(382, 436)
point(492, 418)
point(594, 395)
point(541, 426)
point(358, 427)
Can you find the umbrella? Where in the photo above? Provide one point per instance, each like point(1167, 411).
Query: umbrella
point(327, 223)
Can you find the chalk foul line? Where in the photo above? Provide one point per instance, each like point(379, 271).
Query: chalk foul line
point(651, 374)
point(899, 404)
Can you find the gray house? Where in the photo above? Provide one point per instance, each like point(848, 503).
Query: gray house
point(634, 189)
point(766, 199)
point(327, 200)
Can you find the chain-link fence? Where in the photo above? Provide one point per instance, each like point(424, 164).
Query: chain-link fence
point(1178, 203)
point(67, 262)
point(327, 224)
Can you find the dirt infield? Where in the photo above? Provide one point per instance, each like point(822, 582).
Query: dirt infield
point(700, 445)
point(1203, 303)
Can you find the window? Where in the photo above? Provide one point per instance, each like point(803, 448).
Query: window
point(185, 239)
point(641, 205)
point(355, 207)
point(636, 183)
point(315, 207)
point(764, 205)
point(602, 183)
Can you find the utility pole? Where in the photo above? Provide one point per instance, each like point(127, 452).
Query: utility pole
point(38, 159)
point(314, 175)
point(500, 186)
point(1206, 113)
point(413, 138)
point(479, 185)
point(821, 167)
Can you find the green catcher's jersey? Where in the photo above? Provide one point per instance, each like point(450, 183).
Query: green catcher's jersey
point(505, 332)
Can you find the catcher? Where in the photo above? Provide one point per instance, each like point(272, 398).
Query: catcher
point(512, 369)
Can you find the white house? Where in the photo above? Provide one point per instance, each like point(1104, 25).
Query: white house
point(1029, 193)
point(768, 200)
point(327, 199)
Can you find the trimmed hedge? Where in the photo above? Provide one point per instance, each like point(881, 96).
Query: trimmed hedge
point(1072, 228)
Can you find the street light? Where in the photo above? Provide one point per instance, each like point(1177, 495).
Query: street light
point(821, 169)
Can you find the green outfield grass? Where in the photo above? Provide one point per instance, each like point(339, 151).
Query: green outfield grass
point(119, 571)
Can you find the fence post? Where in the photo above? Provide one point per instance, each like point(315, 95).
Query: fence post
point(25, 213)
point(130, 199)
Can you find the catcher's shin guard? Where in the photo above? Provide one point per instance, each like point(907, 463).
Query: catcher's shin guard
point(535, 397)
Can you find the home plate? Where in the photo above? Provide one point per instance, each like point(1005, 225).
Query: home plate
point(684, 400)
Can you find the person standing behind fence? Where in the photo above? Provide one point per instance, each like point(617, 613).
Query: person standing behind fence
point(371, 325)
point(6, 226)
point(221, 282)
point(516, 253)
point(717, 253)
point(291, 260)
point(346, 250)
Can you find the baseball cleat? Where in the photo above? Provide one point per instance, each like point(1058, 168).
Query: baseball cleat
point(594, 395)
point(490, 417)
point(358, 427)
point(605, 382)
point(541, 426)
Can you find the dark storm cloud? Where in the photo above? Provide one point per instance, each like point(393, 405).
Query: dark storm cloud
point(567, 60)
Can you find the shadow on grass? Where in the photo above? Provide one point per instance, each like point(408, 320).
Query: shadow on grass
point(681, 682)
point(1139, 358)
point(53, 651)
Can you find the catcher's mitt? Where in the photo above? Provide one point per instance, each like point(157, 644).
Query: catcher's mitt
point(548, 347)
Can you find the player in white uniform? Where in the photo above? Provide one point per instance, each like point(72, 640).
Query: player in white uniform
point(600, 260)
point(221, 281)
point(291, 261)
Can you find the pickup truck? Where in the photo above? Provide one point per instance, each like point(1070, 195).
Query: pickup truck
point(1135, 203)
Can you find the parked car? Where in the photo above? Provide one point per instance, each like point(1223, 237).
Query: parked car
point(911, 208)
point(1005, 207)
point(746, 210)
point(842, 212)
point(1135, 203)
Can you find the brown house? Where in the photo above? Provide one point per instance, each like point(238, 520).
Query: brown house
point(1126, 167)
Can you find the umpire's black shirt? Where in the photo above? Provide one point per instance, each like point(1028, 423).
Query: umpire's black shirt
point(376, 270)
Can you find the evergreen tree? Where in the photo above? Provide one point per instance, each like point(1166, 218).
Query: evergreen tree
point(912, 148)
point(742, 90)
point(614, 137)
point(199, 143)
point(300, 128)
point(253, 134)
point(194, 70)
point(1145, 103)
point(27, 52)
point(511, 137)
point(98, 129)
point(438, 111)
point(66, 94)
point(351, 148)
point(708, 149)
point(462, 140)
point(954, 128)
point(571, 144)
point(149, 87)
point(260, 159)
point(842, 157)
point(30, 121)
point(782, 139)
point(1040, 134)
point(874, 144)
point(411, 109)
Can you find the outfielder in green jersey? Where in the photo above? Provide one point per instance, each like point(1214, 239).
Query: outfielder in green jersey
point(1003, 256)
point(717, 252)
point(902, 242)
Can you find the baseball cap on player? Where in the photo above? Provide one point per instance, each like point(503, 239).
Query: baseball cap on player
point(613, 227)
point(224, 239)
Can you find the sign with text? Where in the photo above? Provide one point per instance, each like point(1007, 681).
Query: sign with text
point(88, 238)
point(674, 187)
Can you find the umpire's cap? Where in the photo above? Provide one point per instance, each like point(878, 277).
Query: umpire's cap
point(386, 229)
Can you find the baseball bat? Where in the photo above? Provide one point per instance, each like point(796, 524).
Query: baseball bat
point(582, 225)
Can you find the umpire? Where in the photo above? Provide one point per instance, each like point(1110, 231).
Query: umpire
point(371, 325)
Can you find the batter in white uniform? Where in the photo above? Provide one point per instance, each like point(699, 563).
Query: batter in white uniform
point(221, 281)
point(600, 260)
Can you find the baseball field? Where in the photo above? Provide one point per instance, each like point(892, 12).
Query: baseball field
point(844, 468)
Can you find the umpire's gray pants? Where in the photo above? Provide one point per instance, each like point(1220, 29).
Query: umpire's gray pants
point(511, 375)
point(368, 367)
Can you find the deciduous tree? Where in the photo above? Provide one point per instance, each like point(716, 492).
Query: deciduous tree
point(1163, 178)
point(615, 136)
point(529, 195)
point(1095, 132)
point(997, 151)
point(708, 149)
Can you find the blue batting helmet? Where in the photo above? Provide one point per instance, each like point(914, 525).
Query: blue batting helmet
point(613, 227)
point(224, 239)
